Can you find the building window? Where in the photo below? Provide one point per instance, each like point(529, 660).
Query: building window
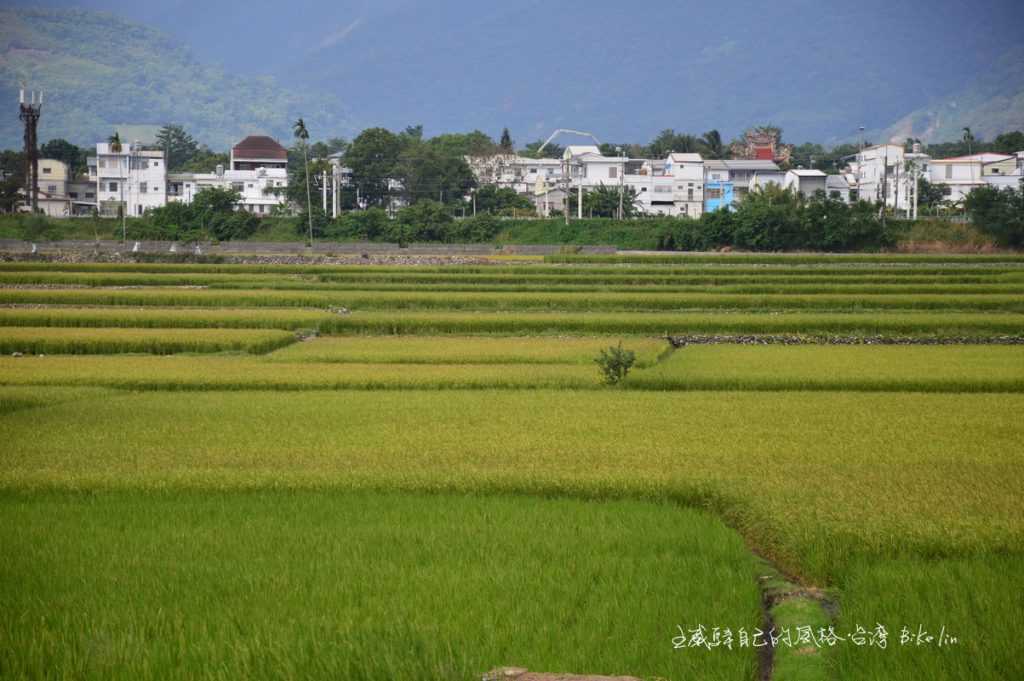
point(103, 163)
point(52, 188)
point(714, 193)
point(949, 171)
point(689, 194)
point(142, 187)
point(238, 186)
point(46, 171)
point(156, 164)
point(73, 195)
point(995, 171)
point(613, 172)
point(90, 195)
point(112, 186)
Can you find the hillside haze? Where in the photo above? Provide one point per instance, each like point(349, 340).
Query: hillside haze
point(622, 71)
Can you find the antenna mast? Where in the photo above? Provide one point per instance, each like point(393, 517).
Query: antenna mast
point(30, 112)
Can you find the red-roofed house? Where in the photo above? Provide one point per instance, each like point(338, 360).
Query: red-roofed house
point(258, 151)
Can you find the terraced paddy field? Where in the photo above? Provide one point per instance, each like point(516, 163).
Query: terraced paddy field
point(417, 473)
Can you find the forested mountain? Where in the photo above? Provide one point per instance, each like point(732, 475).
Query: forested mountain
point(99, 72)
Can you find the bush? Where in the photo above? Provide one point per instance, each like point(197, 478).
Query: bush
point(615, 363)
point(998, 213)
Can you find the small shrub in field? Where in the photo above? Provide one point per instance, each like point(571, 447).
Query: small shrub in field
point(615, 363)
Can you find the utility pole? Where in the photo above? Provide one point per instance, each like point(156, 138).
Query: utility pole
point(323, 190)
point(30, 113)
point(860, 165)
point(885, 183)
point(579, 196)
point(622, 178)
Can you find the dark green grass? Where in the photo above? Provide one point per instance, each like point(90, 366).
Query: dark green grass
point(272, 585)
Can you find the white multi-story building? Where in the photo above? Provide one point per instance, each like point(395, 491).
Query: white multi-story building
point(128, 177)
point(887, 173)
point(805, 181)
point(687, 173)
point(958, 176)
point(258, 171)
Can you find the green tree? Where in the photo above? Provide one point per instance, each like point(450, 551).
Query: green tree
point(424, 173)
point(500, 200)
point(12, 170)
point(669, 141)
point(506, 142)
point(373, 157)
point(423, 221)
point(711, 145)
point(603, 202)
point(1008, 142)
point(998, 213)
point(178, 146)
point(550, 151)
point(62, 150)
point(115, 142)
point(205, 161)
point(474, 143)
point(929, 196)
point(615, 363)
point(302, 134)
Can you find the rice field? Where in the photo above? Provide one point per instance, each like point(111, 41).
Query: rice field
point(954, 369)
point(105, 341)
point(460, 300)
point(466, 350)
point(416, 472)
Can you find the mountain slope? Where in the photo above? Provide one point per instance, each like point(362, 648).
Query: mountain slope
point(98, 71)
point(990, 105)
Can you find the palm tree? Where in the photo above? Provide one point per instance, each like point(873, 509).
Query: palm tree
point(302, 135)
point(712, 143)
point(969, 140)
point(115, 143)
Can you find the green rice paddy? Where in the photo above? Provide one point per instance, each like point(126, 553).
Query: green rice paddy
point(435, 482)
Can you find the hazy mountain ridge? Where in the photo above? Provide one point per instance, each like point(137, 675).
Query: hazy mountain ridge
point(531, 66)
point(991, 105)
point(99, 72)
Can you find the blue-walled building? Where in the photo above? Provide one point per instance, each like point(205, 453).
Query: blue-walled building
point(717, 194)
point(728, 181)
